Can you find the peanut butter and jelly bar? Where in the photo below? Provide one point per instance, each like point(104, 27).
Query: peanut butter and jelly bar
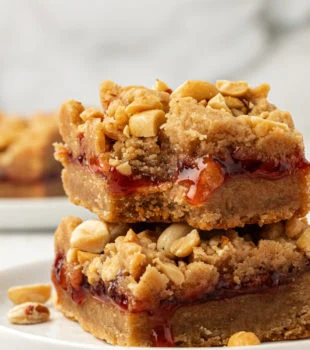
point(212, 156)
point(27, 166)
point(165, 285)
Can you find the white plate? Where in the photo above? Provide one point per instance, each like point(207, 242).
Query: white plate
point(37, 213)
point(60, 333)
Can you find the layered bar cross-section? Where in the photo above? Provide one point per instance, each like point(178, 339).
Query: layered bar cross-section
point(213, 156)
point(166, 285)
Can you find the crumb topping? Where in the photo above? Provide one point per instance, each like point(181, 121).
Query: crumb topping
point(149, 130)
point(147, 269)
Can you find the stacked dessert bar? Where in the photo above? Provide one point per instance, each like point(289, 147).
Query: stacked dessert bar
point(201, 195)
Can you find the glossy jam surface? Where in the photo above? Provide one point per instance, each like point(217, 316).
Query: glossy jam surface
point(161, 336)
point(201, 176)
point(60, 271)
point(100, 292)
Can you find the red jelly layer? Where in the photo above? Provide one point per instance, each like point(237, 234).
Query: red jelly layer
point(202, 176)
point(120, 184)
point(224, 289)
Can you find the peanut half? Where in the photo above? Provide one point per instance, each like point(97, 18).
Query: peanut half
point(145, 103)
point(232, 88)
point(90, 236)
point(243, 339)
point(184, 246)
point(38, 293)
point(29, 313)
point(198, 89)
point(171, 234)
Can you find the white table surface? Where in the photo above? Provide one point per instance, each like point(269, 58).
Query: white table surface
point(21, 248)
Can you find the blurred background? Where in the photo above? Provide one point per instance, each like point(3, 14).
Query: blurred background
point(54, 50)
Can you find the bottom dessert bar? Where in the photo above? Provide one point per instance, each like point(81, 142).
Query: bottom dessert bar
point(276, 315)
point(174, 285)
point(38, 189)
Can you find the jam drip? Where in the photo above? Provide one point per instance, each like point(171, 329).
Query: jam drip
point(201, 179)
point(201, 176)
point(162, 336)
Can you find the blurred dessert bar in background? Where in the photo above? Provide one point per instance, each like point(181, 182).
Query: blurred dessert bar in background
point(27, 166)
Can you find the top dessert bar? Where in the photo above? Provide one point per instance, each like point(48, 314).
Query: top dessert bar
point(26, 155)
point(214, 156)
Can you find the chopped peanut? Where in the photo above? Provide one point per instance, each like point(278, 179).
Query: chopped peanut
point(183, 246)
point(232, 88)
point(161, 86)
point(198, 89)
point(171, 234)
point(124, 169)
point(218, 102)
point(142, 104)
point(146, 124)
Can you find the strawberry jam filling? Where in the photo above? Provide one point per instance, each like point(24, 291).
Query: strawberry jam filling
point(200, 176)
